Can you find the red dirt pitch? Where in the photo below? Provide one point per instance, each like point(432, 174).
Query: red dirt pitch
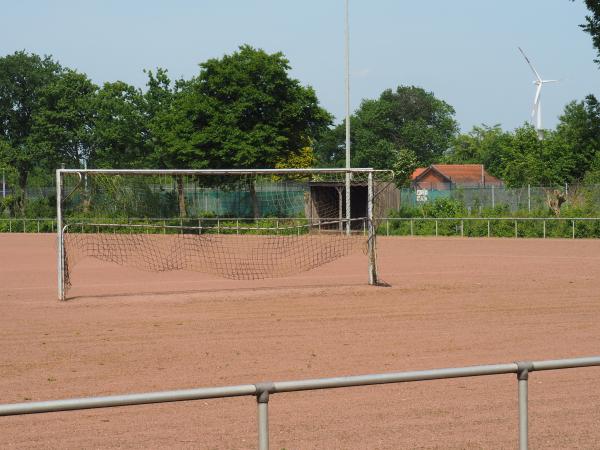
point(452, 302)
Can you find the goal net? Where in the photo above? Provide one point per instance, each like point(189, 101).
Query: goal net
point(237, 224)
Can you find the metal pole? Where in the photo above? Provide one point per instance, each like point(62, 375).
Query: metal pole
point(262, 399)
point(436, 228)
point(462, 228)
point(412, 232)
point(529, 197)
point(573, 228)
point(263, 426)
point(493, 198)
point(523, 369)
point(59, 237)
point(544, 229)
point(371, 238)
point(488, 224)
point(516, 233)
point(348, 174)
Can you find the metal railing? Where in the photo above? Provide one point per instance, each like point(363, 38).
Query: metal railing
point(488, 226)
point(572, 227)
point(262, 391)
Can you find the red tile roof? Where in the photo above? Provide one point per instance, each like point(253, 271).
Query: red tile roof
point(459, 173)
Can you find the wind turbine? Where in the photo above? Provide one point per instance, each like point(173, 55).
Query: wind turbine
point(536, 113)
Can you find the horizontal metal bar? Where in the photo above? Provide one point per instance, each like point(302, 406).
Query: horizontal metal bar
point(126, 400)
point(402, 377)
point(217, 171)
point(566, 363)
point(286, 386)
point(196, 227)
point(323, 218)
point(488, 218)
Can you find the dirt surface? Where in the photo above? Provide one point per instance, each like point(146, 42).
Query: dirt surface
point(452, 302)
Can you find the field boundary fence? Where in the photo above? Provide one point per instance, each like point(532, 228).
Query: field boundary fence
point(262, 391)
point(534, 227)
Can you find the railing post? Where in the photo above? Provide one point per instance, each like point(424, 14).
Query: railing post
point(237, 226)
point(262, 400)
point(387, 227)
point(412, 232)
point(573, 228)
point(218, 226)
point(488, 226)
point(462, 228)
point(516, 231)
point(544, 229)
point(436, 228)
point(38, 226)
point(523, 369)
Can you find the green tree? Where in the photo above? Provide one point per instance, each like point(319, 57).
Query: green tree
point(579, 134)
point(482, 145)
point(64, 121)
point(409, 119)
point(120, 138)
point(241, 111)
point(592, 24)
point(23, 77)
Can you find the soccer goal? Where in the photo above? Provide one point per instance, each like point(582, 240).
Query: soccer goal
point(237, 224)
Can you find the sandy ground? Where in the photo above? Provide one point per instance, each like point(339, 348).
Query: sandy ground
point(452, 302)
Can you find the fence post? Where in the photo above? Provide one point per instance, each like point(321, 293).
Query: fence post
point(38, 226)
point(436, 228)
point(237, 226)
point(412, 232)
point(387, 227)
point(488, 226)
point(24, 226)
point(262, 400)
point(544, 229)
point(364, 227)
point(164, 227)
point(218, 226)
point(493, 198)
point(9, 225)
point(529, 197)
point(523, 369)
point(516, 232)
point(462, 228)
point(573, 228)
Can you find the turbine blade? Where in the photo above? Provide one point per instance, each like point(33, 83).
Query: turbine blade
point(537, 75)
point(551, 81)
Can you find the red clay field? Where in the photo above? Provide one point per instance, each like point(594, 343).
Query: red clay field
point(451, 302)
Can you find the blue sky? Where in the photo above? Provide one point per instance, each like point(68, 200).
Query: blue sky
point(465, 51)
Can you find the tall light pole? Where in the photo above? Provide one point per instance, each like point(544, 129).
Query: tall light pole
point(348, 175)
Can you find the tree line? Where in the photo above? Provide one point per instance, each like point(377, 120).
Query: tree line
point(245, 111)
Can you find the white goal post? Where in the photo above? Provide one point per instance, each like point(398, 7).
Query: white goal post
point(162, 220)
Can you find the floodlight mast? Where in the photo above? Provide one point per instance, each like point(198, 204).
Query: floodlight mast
point(348, 174)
